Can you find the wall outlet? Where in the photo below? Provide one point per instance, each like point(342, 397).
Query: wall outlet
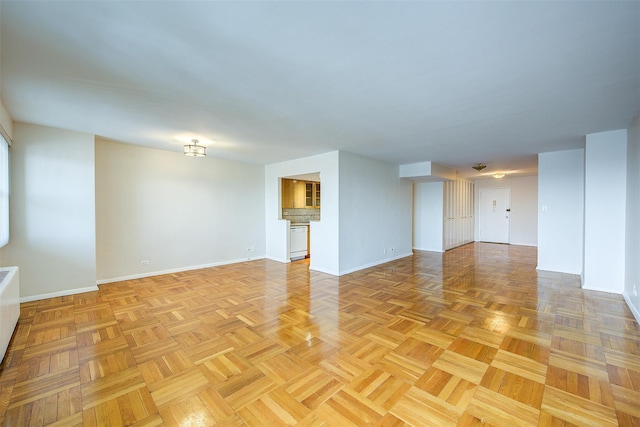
point(251, 248)
point(145, 262)
point(384, 251)
point(392, 249)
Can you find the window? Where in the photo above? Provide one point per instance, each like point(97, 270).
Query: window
point(4, 192)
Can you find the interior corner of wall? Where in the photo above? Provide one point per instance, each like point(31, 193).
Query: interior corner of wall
point(6, 123)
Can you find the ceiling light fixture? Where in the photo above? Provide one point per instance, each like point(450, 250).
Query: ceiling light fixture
point(195, 150)
point(498, 175)
point(479, 166)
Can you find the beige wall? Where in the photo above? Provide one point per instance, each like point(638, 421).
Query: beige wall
point(632, 236)
point(84, 211)
point(52, 211)
point(173, 211)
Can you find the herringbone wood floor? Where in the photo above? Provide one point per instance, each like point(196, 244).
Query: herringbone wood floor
point(474, 336)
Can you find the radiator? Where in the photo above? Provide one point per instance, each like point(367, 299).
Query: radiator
point(9, 305)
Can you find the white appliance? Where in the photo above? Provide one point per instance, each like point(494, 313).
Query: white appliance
point(298, 242)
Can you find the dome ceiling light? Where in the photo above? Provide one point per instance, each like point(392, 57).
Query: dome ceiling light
point(195, 150)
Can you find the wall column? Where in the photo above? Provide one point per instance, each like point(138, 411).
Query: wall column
point(605, 211)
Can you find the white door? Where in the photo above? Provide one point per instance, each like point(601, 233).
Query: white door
point(495, 213)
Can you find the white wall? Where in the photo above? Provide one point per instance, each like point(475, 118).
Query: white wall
point(324, 233)
point(175, 212)
point(524, 207)
point(632, 265)
point(375, 213)
point(365, 208)
point(605, 211)
point(52, 211)
point(561, 211)
point(428, 218)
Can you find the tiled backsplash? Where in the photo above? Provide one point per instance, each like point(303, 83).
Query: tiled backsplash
point(301, 215)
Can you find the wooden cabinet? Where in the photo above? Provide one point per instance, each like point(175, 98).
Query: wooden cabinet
point(458, 213)
point(312, 194)
point(300, 194)
point(287, 193)
point(293, 193)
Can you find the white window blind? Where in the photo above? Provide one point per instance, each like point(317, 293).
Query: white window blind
point(4, 192)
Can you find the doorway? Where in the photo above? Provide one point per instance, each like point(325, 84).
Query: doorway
point(300, 205)
point(494, 215)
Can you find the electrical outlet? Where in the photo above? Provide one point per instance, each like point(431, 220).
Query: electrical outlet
point(251, 248)
point(145, 262)
point(384, 251)
point(392, 249)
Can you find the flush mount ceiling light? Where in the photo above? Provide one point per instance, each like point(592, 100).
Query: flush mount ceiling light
point(195, 150)
point(498, 175)
point(479, 166)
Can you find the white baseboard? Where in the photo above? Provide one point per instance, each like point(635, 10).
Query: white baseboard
point(321, 270)
point(59, 294)
point(608, 291)
point(429, 250)
point(632, 307)
point(173, 270)
point(556, 270)
point(373, 264)
point(285, 261)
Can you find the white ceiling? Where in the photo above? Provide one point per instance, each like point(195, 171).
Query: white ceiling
point(451, 82)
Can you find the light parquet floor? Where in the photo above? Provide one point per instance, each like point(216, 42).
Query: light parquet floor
point(475, 336)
